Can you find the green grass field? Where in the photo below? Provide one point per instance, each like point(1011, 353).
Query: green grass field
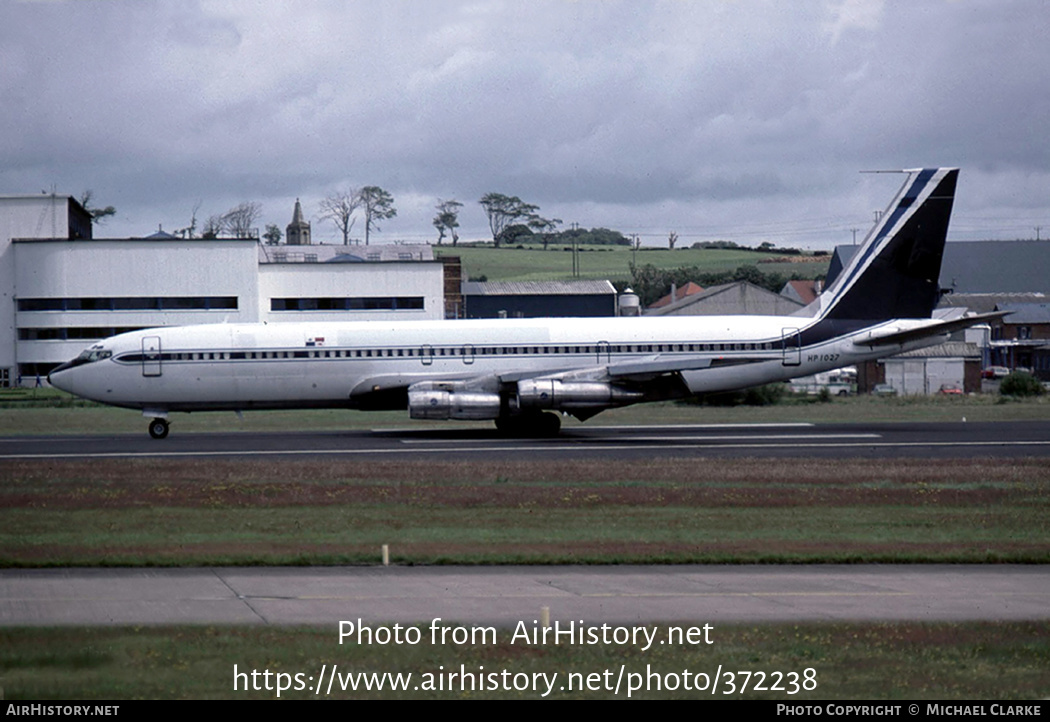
point(177, 512)
point(532, 263)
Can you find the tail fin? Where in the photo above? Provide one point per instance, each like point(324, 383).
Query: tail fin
point(896, 273)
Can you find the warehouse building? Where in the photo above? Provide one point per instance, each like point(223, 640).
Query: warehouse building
point(64, 289)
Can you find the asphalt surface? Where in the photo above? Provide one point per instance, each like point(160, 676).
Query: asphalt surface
point(889, 440)
point(503, 596)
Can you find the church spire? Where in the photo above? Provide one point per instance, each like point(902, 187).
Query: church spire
point(298, 231)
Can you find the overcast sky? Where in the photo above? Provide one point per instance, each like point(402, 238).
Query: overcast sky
point(742, 120)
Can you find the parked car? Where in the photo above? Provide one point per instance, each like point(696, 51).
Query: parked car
point(950, 390)
point(884, 390)
point(995, 372)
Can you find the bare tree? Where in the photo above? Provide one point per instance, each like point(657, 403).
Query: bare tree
point(672, 238)
point(447, 219)
point(213, 227)
point(339, 208)
point(240, 220)
point(190, 231)
point(378, 205)
point(98, 215)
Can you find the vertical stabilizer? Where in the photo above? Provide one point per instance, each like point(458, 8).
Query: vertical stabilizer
point(896, 273)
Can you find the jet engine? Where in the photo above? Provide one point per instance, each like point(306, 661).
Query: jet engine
point(558, 394)
point(439, 400)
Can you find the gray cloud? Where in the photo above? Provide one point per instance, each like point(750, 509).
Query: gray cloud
point(735, 119)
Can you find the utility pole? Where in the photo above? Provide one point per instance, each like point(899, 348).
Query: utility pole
point(854, 232)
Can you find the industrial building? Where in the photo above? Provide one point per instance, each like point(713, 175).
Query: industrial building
point(538, 299)
point(63, 289)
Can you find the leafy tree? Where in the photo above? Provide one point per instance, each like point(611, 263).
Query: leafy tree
point(516, 233)
point(503, 211)
point(1020, 383)
point(378, 205)
point(595, 236)
point(650, 283)
point(447, 219)
point(98, 215)
point(273, 235)
point(544, 226)
point(339, 208)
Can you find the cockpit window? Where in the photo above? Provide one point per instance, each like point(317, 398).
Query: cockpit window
point(92, 354)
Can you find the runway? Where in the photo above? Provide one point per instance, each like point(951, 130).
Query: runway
point(503, 596)
point(865, 440)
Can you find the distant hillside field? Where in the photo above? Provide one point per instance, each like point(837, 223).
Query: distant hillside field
point(532, 263)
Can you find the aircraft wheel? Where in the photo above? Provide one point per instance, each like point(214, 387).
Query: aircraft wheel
point(158, 428)
point(529, 425)
point(547, 424)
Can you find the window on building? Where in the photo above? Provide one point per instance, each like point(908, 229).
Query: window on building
point(357, 303)
point(129, 303)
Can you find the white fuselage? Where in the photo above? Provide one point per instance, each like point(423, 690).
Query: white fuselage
point(305, 365)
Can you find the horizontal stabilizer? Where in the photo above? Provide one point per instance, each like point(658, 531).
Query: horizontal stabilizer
point(894, 337)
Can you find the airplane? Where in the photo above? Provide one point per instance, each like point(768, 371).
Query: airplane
point(522, 372)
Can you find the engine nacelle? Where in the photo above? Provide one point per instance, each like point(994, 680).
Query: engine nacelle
point(435, 403)
point(557, 394)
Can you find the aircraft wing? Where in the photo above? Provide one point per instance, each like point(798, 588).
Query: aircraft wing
point(638, 370)
point(656, 364)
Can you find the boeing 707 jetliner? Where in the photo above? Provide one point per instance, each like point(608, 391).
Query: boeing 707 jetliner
point(517, 372)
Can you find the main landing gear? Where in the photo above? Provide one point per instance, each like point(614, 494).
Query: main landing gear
point(536, 424)
point(158, 428)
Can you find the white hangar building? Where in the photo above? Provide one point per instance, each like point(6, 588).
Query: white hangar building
point(63, 289)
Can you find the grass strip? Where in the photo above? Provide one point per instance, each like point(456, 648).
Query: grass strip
point(903, 661)
point(185, 512)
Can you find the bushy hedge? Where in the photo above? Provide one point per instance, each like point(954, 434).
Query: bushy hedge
point(1020, 383)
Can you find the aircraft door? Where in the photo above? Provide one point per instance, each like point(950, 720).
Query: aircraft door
point(603, 350)
point(792, 343)
point(426, 354)
point(468, 354)
point(151, 355)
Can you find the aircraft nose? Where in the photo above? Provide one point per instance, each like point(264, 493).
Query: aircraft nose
point(57, 370)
